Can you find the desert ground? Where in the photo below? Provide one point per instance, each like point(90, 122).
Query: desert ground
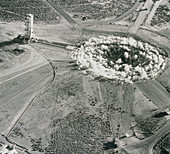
point(48, 105)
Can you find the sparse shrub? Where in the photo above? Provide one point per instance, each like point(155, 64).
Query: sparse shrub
point(16, 10)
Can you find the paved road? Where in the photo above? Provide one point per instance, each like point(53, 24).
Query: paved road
point(160, 133)
point(55, 44)
point(165, 128)
point(15, 76)
point(128, 12)
point(22, 110)
point(161, 98)
point(154, 91)
point(146, 146)
point(63, 13)
point(76, 25)
point(27, 105)
point(135, 6)
point(4, 103)
point(118, 29)
point(155, 32)
point(141, 17)
point(152, 13)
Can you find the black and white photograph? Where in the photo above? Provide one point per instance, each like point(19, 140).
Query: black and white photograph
point(84, 76)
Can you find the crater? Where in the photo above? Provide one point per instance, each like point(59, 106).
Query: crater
point(121, 59)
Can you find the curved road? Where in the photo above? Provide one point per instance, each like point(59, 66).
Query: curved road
point(76, 25)
point(25, 108)
point(150, 142)
point(135, 6)
point(146, 145)
point(157, 94)
point(22, 112)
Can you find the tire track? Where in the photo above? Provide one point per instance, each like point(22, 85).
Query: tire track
point(24, 110)
point(25, 90)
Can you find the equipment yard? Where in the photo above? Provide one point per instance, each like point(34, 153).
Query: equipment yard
point(86, 77)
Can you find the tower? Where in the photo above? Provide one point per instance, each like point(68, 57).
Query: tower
point(29, 26)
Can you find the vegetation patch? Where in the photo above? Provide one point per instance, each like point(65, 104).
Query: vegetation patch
point(95, 9)
point(161, 16)
point(1, 60)
point(37, 145)
point(78, 133)
point(163, 146)
point(16, 11)
point(147, 127)
point(17, 132)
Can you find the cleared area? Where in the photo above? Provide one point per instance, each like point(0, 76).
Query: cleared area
point(11, 109)
point(118, 99)
point(154, 91)
point(12, 88)
point(52, 52)
point(32, 61)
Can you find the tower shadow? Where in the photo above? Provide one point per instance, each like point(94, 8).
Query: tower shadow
point(18, 39)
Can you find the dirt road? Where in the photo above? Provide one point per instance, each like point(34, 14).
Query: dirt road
point(63, 13)
point(141, 17)
point(152, 13)
point(146, 146)
point(104, 21)
point(24, 72)
point(154, 91)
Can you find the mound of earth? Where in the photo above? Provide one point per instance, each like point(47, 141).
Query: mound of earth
point(122, 59)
